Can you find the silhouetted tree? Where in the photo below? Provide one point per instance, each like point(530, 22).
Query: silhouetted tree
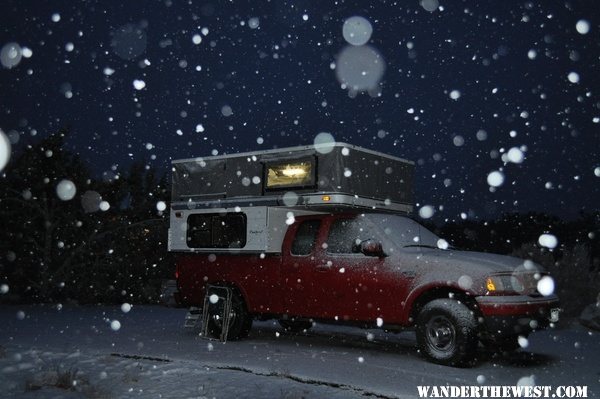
point(57, 249)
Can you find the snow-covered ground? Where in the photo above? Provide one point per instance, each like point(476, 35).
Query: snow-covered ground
point(152, 356)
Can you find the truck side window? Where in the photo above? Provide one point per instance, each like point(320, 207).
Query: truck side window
point(306, 237)
point(216, 230)
point(344, 235)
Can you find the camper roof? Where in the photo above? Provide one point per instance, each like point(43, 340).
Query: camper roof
point(340, 175)
point(292, 150)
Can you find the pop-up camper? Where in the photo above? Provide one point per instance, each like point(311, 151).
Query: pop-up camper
point(241, 202)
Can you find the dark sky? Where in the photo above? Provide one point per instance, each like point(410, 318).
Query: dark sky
point(508, 61)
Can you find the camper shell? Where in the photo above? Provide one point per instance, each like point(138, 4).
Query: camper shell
point(244, 202)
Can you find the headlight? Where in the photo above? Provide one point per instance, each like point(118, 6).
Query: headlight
point(502, 284)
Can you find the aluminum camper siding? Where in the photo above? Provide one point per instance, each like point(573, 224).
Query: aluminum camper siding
point(373, 175)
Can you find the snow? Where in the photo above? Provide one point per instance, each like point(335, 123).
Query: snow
point(290, 198)
point(357, 30)
point(26, 52)
point(196, 39)
point(495, 178)
point(226, 110)
point(104, 206)
point(532, 54)
point(455, 94)
point(458, 140)
point(253, 23)
point(290, 219)
point(582, 26)
point(515, 155)
point(545, 286)
point(573, 77)
point(481, 135)
point(324, 143)
point(360, 68)
point(442, 244)
point(430, 5)
point(465, 282)
point(90, 201)
point(10, 55)
point(5, 150)
point(161, 206)
point(548, 240)
point(115, 325)
point(139, 84)
point(153, 355)
point(426, 211)
point(66, 190)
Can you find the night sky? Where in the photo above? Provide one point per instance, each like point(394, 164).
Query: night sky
point(463, 84)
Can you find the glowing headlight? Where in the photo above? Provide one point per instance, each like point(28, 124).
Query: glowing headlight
point(490, 284)
point(503, 283)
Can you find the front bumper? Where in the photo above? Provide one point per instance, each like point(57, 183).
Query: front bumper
point(518, 314)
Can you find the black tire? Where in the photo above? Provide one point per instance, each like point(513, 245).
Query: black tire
point(295, 326)
point(240, 321)
point(447, 332)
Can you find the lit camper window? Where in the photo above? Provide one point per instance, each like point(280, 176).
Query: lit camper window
point(216, 230)
point(299, 173)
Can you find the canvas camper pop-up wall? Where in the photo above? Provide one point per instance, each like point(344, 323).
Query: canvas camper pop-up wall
point(244, 202)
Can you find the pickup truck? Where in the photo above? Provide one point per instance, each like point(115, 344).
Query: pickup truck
point(377, 270)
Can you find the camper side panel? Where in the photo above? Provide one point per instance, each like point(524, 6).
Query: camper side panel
point(365, 174)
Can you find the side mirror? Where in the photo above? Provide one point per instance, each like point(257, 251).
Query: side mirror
point(372, 248)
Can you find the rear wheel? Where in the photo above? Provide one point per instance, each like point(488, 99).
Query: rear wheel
point(240, 321)
point(447, 332)
point(295, 326)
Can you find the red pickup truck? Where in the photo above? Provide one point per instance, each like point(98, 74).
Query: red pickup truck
point(377, 270)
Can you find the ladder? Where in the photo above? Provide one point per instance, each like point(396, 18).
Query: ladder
point(217, 306)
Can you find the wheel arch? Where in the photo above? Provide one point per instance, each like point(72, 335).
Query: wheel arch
point(428, 294)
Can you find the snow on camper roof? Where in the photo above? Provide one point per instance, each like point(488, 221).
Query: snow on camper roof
point(346, 175)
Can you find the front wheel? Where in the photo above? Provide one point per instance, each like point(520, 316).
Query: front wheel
point(447, 332)
point(240, 321)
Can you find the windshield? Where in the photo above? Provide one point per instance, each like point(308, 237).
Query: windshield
point(404, 231)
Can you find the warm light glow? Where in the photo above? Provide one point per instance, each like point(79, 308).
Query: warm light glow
point(326, 198)
point(290, 174)
point(490, 284)
point(294, 172)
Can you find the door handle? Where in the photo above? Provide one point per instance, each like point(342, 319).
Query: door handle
point(323, 267)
